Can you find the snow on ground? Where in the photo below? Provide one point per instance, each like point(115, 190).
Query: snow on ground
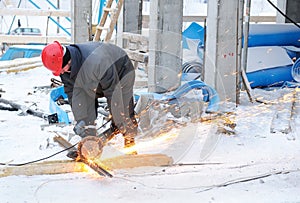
point(215, 170)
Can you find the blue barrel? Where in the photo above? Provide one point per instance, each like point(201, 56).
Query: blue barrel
point(274, 35)
point(296, 70)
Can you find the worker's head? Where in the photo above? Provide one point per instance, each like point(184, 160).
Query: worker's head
point(52, 57)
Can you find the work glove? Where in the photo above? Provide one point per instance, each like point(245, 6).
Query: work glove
point(84, 130)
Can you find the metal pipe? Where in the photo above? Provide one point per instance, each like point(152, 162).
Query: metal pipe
point(240, 16)
point(246, 35)
point(13, 19)
point(64, 29)
point(245, 51)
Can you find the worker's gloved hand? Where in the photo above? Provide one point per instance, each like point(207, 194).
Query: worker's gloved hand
point(84, 130)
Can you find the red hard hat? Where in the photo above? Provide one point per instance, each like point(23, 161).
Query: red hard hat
point(52, 57)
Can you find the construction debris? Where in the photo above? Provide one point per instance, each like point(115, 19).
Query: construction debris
point(25, 110)
point(281, 121)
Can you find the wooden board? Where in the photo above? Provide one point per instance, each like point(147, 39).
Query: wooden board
point(69, 166)
point(43, 168)
point(133, 161)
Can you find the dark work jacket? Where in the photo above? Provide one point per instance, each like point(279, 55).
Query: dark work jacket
point(100, 69)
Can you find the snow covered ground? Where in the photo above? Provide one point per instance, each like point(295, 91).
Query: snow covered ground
point(252, 165)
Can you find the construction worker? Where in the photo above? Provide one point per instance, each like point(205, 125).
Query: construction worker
point(92, 70)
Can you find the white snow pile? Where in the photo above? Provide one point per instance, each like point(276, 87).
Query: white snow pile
point(258, 162)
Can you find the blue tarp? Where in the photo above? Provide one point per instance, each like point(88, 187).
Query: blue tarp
point(209, 94)
point(286, 36)
point(55, 108)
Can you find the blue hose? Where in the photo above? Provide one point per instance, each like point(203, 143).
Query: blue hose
point(210, 94)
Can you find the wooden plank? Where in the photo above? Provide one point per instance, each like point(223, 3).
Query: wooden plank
point(22, 68)
point(139, 160)
point(20, 62)
point(22, 39)
point(133, 37)
point(62, 142)
point(33, 12)
point(43, 168)
point(255, 19)
point(69, 166)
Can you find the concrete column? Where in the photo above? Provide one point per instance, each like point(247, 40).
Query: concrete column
point(81, 15)
point(222, 50)
point(165, 52)
point(130, 19)
point(281, 4)
point(132, 16)
point(290, 8)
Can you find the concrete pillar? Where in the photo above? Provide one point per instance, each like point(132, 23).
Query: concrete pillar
point(165, 52)
point(290, 8)
point(81, 15)
point(130, 19)
point(222, 50)
point(132, 16)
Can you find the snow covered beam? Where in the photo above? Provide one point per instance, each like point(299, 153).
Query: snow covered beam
point(23, 39)
point(33, 12)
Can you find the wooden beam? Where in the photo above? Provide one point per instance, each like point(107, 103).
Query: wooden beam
point(21, 39)
point(33, 12)
point(139, 160)
point(255, 19)
point(69, 166)
point(20, 62)
point(44, 168)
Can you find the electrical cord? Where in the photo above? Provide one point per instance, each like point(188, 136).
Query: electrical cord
point(283, 14)
point(30, 162)
point(59, 152)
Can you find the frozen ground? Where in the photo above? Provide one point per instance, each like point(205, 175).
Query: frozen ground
point(253, 165)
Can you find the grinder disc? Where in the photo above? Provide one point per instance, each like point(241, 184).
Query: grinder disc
point(90, 147)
